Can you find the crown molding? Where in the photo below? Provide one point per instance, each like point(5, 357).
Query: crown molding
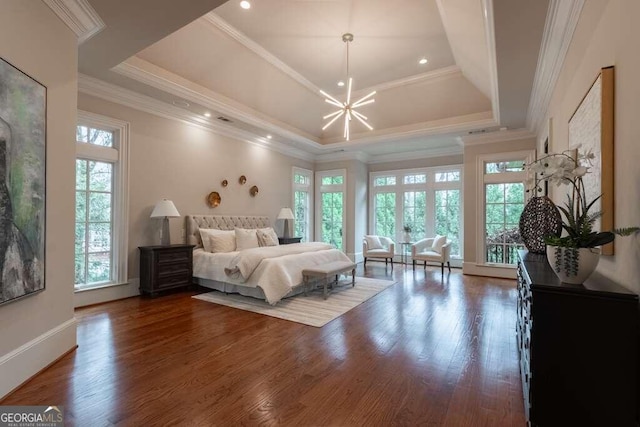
point(79, 16)
point(109, 92)
point(441, 73)
point(436, 127)
point(561, 22)
point(487, 7)
point(494, 137)
point(222, 25)
point(159, 78)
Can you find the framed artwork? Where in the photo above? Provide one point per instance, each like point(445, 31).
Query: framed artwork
point(591, 128)
point(23, 113)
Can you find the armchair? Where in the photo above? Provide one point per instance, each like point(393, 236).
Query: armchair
point(437, 249)
point(378, 247)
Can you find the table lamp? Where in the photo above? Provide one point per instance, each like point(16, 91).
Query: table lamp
point(165, 209)
point(286, 214)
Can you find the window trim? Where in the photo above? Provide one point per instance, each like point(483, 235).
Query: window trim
point(310, 189)
point(119, 156)
point(482, 179)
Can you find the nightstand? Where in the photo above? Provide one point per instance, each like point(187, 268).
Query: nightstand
point(165, 267)
point(288, 240)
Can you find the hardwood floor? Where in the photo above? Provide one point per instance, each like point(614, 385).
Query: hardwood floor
point(425, 351)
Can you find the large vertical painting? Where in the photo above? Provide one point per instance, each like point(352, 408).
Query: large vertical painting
point(22, 183)
point(591, 129)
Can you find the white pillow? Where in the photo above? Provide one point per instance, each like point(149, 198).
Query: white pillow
point(218, 240)
point(246, 238)
point(373, 242)
point(267, 237)
point(438, 243)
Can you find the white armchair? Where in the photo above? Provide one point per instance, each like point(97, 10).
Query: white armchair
point(425, 250)
point(378, 247)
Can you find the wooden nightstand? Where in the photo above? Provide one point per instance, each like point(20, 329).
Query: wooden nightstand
point(288, 240)
point(165, 267)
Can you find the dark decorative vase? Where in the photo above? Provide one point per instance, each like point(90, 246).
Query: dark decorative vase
point(540, 218)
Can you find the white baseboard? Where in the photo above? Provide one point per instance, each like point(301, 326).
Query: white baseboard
point(357, 257)
point(488, 271)
point(27, 360)
point(108, 293)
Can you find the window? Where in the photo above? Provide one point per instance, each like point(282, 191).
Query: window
point(330, 205)
point(101, 201)
point(302, 203)
point(414, 212)
point(428, 200)
point(502, 199)
point(384, 180)
point(385, 206)
point(448, 222)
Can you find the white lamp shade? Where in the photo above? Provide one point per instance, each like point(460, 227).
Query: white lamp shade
point(165, 208)
point(285, 213)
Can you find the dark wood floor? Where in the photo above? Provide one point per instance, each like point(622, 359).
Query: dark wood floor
point(426, 351)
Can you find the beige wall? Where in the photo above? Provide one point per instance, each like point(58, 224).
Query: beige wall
point(37, 329)
point(184, 163)
point(607, 34)
point(471, 213)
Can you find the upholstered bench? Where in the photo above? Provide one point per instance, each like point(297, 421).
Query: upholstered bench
point(327, 271)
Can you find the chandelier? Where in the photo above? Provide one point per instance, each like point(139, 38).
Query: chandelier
point(347, 109)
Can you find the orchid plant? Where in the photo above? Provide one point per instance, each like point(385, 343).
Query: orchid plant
point(569, 168)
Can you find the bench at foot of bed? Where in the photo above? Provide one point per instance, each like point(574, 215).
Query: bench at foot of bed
point(327, 272)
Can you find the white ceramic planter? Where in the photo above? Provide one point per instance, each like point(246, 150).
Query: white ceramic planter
point(587, 262)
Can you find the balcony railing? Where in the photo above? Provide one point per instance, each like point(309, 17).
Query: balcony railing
point(502, 253)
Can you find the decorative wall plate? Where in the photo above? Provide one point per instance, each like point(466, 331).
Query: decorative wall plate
point(214, 199)
point(224, 183)
point(253, 191)
point(242, 179)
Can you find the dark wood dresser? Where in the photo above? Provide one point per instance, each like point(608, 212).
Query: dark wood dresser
point(578, 348)
point(165, 267)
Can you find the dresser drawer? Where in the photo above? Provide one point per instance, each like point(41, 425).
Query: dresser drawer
point(173, 279)
point(165, 267)
point(173, 256)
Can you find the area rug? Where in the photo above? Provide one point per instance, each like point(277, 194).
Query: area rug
point(312, 310)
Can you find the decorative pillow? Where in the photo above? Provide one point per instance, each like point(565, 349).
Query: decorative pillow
point(246, 238)
point(267, 237)
point(218, 240)
point(438, 243)
point(373, 242)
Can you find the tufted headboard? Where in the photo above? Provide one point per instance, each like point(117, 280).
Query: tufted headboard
point(221, 222)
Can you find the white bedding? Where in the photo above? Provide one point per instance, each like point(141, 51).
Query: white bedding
point(245, 262)
point(276, 275)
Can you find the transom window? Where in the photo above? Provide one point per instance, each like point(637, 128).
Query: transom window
point(384, 180)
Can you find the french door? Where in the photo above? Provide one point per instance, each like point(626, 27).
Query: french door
point(330, 203)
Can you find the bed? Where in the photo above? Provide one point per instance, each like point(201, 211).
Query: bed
point(269, 273)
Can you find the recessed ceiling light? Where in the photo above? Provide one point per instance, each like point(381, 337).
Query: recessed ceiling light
point(269, 136)
point(423, 61)
point(207, 114)
point(340, 83)
point(245, 5)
